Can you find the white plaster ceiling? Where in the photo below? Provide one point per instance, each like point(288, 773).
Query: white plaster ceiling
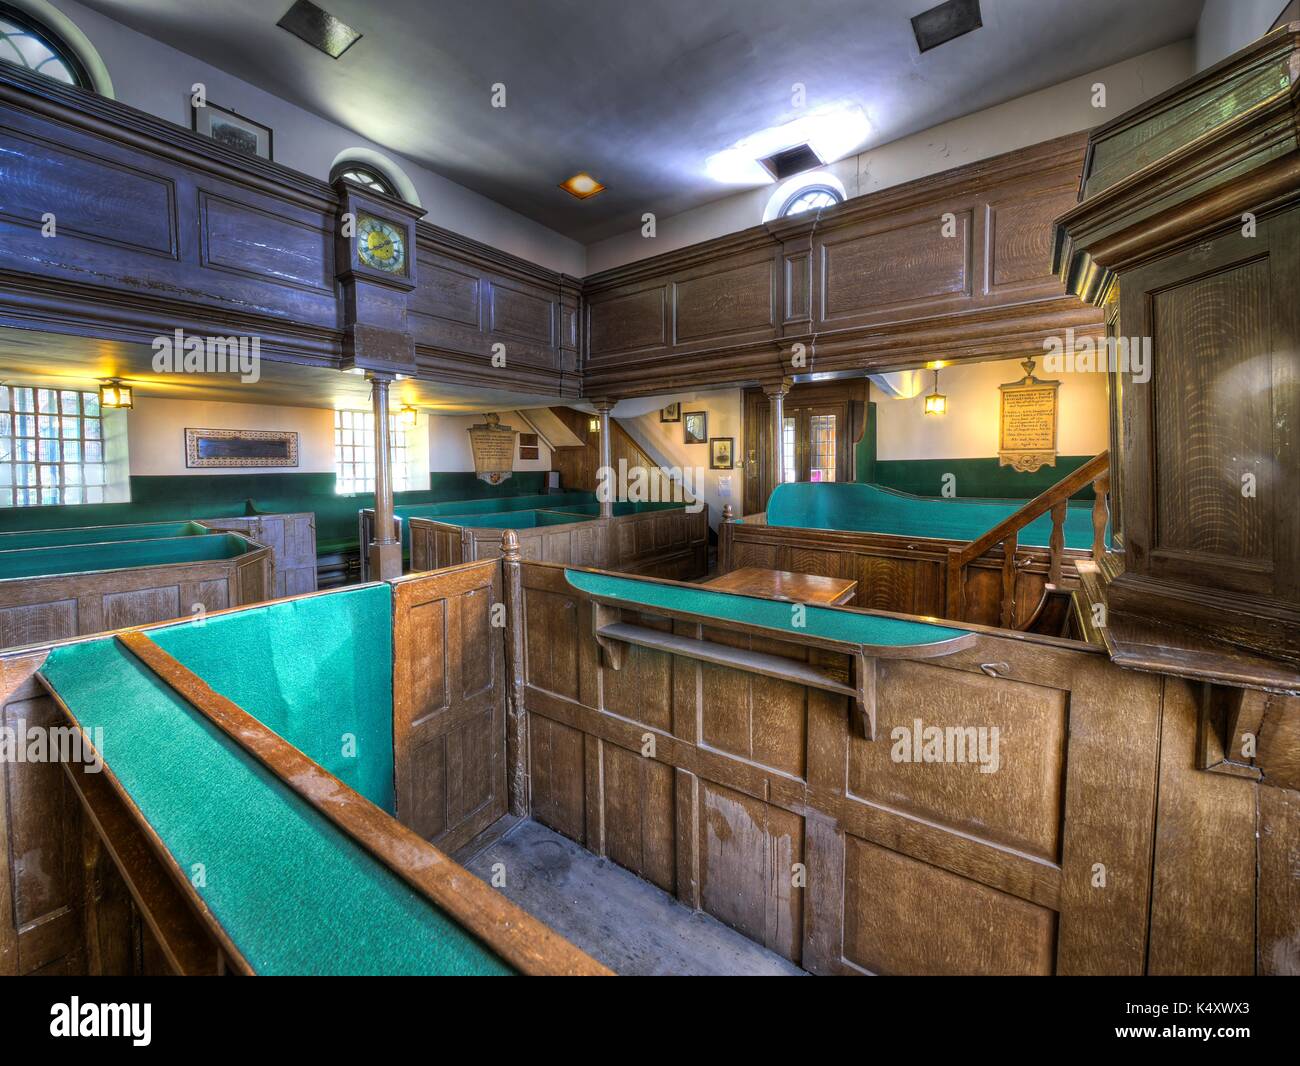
point(639, 92)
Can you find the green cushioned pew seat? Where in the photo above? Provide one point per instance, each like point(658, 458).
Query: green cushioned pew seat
point(88, 558)
point(829, 623)
point(864, 508)
point(294, 893)
point(48, 538)
point(316, 670)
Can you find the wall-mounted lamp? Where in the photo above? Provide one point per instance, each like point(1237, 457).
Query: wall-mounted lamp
point(406, 416)
point(593, 425)
point(113, 394)
point(936, 403)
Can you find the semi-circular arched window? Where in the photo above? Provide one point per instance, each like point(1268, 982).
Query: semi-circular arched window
point(810, 198)
point(27, 43)
point(368, 177)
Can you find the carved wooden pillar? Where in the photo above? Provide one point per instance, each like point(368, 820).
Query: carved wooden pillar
point(775, 454)
point(386, 549)
point(603, 408)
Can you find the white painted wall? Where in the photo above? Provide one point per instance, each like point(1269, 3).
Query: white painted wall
point(449, 448)
point(970, 428)
point(1052, 112)
point(1227, 25)
point(156, 78)
point(156, 434)
point(664, 442)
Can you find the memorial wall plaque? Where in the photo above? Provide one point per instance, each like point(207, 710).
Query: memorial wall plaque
point(493, 446)
point(1027, 422)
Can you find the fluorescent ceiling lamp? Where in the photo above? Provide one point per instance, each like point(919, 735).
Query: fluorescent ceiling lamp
point(832, 132)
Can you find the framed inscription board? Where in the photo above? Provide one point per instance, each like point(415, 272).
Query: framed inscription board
point(240, 447)
point(493, 446)
point(1027, 422)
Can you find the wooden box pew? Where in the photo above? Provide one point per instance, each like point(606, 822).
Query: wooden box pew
point(246, 804)
point(717, 745)
point(661, 539)
point(71, 587)
point(982, 561)
point(364, 518)
point(291, 538)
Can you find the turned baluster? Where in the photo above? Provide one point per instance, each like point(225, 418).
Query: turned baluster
point(1056, 545)
point(1100, 515)
point(1009, 579)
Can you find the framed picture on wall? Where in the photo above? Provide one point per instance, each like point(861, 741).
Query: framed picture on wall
point(696, 427)
point(722, 451)
point(205, 448)
point(528, 446)
point(232, 129)
point(671, 413)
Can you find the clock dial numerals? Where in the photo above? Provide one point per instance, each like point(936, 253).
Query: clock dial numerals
point(380, 245)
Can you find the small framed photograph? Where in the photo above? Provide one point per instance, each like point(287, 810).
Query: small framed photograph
point(232, 130)
point(696, 427)
point(528, 446)
point(671, 413)
point(722, 453)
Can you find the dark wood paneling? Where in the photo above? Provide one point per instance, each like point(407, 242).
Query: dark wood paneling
point(871, 280)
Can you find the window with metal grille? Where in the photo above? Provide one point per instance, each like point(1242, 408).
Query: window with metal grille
point(366, 176)
point(24, 42)
point(354, 452)
point(821, 447)
point(51, 447)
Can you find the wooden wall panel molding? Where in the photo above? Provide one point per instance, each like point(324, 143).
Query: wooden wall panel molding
point(874, 280)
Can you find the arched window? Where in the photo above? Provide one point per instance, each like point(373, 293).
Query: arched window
point(366, 176)
point(810, 198)
point(26, 43)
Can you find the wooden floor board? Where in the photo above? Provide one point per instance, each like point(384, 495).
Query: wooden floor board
point(627, 923)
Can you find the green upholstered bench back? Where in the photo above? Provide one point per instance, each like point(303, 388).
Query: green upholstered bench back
point(87, 558)
point(46, 538)
point(317, 670)
point(294, 893)
point(621, 508)
point(829, 623)
point(870, 509)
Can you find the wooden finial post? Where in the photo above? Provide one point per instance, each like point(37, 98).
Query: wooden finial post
point(510, 546)
point(728, 513)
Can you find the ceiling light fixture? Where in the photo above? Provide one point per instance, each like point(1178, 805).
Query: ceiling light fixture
point(829, 132)
point(113, 395)
point(582, 185)
point(936, 403)
point(407, 416)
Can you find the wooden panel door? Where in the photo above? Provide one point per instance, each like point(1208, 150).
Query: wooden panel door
point(449, 731)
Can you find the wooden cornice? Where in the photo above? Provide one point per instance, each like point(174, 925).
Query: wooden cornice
point(1246, 161)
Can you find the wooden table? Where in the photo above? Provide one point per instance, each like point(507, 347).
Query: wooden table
point(785, 585)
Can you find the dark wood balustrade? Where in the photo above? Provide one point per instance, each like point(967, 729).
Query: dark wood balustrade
point(1007, 532)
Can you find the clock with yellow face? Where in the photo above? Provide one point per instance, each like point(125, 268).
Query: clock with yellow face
point(381, 245)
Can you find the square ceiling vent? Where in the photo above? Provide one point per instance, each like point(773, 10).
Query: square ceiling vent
point(319, 28)
point(946, 23)
point(791, 161)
